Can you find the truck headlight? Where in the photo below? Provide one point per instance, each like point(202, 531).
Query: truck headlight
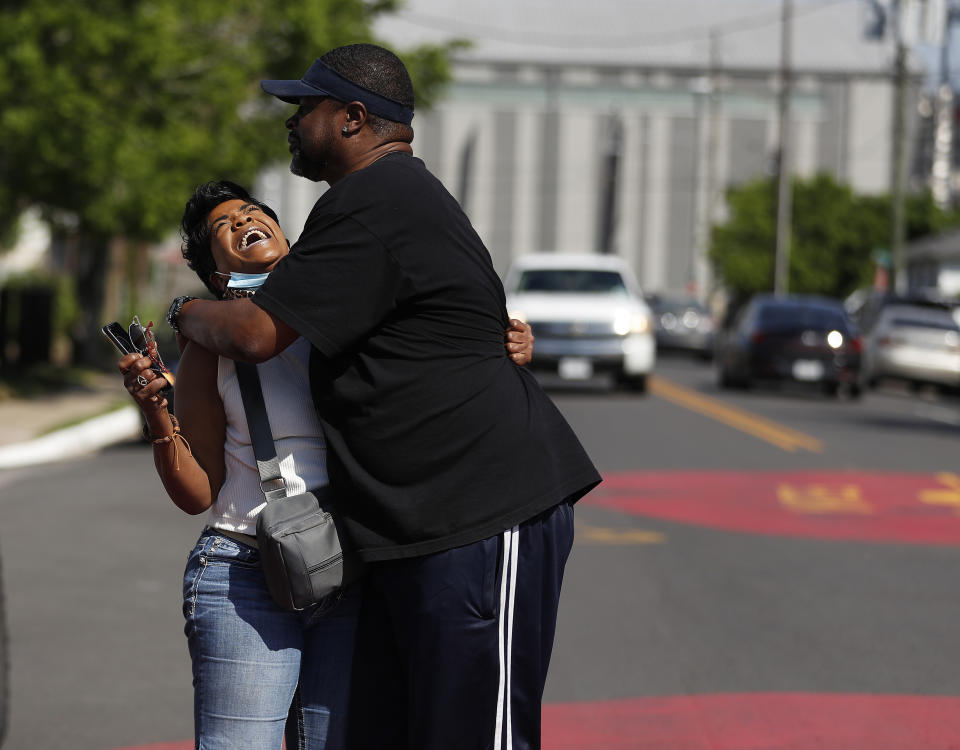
point(628, 321)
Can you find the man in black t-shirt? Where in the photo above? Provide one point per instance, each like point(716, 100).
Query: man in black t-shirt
point(454, 473)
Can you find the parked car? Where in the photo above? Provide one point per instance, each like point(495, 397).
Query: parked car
point(801, 338)
point(913, 342)
point(588, 316)
point(682, 324)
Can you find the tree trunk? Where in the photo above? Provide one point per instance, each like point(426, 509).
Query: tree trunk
point(90, 265)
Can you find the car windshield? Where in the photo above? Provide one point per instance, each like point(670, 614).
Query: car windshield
point(919, 317)
point(791, 316)
point(679, 306)
point(571, 280)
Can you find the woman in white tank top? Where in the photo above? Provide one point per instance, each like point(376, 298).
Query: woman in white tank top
point(259, 672)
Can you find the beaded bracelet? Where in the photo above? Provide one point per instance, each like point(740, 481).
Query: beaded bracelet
point(174, 312)
point(173, 439)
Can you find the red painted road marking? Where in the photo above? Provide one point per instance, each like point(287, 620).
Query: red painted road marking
point(773, 721)
point(879, 507)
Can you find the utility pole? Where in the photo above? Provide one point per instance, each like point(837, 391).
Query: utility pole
point(898, 166)
point(613, 148)
point(700, 88)
point(704, 172)
point(781, 274)
point(712, 121)
point(941, 173)
point(466, 169)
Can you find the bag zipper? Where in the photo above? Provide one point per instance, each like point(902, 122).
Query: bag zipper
point(325, 564)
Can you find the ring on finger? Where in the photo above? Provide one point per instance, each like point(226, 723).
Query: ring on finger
point(142, 381)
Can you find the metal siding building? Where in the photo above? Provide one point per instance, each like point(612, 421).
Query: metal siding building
point(523, 135)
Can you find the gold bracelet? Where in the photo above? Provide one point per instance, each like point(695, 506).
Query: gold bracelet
point(173, 439)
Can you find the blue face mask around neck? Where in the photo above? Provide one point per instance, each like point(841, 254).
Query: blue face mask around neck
point(247, 281)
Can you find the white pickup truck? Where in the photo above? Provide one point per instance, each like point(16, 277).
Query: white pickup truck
point(587, 314)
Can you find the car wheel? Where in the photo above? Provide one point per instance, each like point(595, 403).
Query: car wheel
point(635, 383)
point(830, 389)
point(723, 377)
point(729, 381)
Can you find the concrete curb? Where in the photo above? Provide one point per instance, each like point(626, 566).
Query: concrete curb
point(71, 442)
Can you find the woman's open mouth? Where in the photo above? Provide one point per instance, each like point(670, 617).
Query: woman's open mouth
point(252, 236)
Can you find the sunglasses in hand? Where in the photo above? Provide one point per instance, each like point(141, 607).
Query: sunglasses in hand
point(138, 339)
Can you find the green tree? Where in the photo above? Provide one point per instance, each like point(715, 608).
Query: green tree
point(834, 232)
point(114, 109)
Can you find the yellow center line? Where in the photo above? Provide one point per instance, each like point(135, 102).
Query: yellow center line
point(609, 536)
point(765, 429)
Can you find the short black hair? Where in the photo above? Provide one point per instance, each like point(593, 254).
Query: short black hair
point(378, 70)
point(195, 231)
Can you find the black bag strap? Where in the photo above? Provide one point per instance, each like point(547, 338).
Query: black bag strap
point(261, 436)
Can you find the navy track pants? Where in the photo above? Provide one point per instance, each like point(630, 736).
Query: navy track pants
point(453, 648)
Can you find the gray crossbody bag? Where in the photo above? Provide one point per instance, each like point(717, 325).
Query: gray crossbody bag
point(300, 551)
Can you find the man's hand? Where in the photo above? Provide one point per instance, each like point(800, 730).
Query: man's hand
point(520, 342)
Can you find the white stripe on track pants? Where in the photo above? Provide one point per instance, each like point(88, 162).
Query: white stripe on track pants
point(453, 648)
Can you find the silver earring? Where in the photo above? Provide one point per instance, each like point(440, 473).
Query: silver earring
point(345, 129)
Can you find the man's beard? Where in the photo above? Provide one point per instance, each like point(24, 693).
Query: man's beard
point(302, 167)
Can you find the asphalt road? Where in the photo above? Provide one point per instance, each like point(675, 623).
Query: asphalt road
point(759, 543)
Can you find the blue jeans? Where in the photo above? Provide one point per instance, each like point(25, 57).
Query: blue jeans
point(254, 665)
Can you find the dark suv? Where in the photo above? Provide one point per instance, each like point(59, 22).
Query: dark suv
point(801, 338)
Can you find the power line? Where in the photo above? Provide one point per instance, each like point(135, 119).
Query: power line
point(614, 41)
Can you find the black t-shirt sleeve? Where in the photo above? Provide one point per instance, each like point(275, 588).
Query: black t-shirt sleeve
point(337, 284)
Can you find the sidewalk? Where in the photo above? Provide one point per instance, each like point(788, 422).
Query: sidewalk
point(26, 423)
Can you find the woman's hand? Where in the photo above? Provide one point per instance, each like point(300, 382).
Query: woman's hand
point(144, 385)
point(520, 342)
point(192, 487)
